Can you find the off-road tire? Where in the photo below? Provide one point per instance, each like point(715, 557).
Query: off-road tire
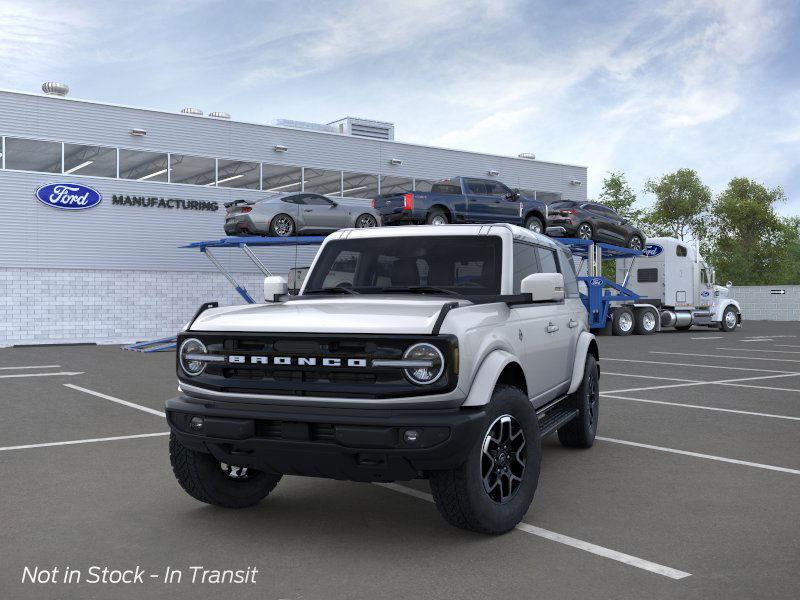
point(272, 230)
point(723, 325)
point(459, 493)
point(202, 477)
point(581, 431)
point(619, 322)
point(434, 213)
point(532, 220)
point(641, 325)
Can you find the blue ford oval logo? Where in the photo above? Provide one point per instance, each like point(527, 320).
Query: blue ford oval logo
point(68, 196)
point(596, 281)
point(652, 250)
point(705, 294)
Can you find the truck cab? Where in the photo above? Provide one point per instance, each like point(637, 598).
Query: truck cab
point(436, 352)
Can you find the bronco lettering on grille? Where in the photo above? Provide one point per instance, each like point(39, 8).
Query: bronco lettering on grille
point(301, 361)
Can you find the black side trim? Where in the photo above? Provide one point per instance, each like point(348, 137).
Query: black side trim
point(203, 307)
point(446, 308)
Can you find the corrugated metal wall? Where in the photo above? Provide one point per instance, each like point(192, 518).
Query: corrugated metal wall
point(125, 237)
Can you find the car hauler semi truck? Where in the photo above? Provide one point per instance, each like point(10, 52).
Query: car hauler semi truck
point(672, 277)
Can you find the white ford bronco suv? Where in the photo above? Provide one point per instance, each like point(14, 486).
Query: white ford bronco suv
point(437, 352)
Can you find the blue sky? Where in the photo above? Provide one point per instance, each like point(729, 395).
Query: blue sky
point(641, 87)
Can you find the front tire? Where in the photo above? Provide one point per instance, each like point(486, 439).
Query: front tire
point(282, 225)
point(581, 431)
point(729, 320)
point(207, 480)
point(622, 322)
point(534, 224)
point(493, 489)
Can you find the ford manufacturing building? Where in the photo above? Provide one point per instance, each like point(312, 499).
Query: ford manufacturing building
point(115, 272)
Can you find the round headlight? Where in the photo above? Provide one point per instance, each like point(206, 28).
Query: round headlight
point(190, 348)
point(426, 353)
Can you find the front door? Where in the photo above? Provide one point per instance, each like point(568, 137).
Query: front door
point(322, 214)
point(479, 201)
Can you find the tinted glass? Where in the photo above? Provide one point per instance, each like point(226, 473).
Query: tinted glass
point(525, 263)
point(495, 188)
point(468, 265)
point(293, 199)
point(316, 200)
point(90, 160)
point(475, 186)
point(280, 178)
point(681, 251)
point(238, 174)
point(568, 270)
point(547, 260)
point(33, 155)
point(562, 204)
point(548, 197)
point(321, 181)
point(194, 170)
point(446, 188)
point(360, 185)
point(144, 166)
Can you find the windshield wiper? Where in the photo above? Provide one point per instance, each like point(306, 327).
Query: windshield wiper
point(331, 290)
point(422, 289)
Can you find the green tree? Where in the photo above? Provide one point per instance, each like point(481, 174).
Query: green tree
point(750, 243)
point(618, 195)
point(681, 205)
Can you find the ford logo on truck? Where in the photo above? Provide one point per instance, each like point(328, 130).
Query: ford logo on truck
point(68, 196)
point(652, 250)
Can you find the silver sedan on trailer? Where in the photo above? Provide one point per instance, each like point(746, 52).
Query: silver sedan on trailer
point(296, 213)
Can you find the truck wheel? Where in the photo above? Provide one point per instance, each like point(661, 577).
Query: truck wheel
point(645, 321)
point(580, 432)
point(206, 479)
point(493, 489)
point(281, 226)
point(534, 224)
point(729, 320)
point(437, 217)
point(622, 322)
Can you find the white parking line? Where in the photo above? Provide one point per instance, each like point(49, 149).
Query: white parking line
point(64, 373)
point(714, 408)
point(758, 350)
point(787, 346)
point(152, 411)
point(31, 367)
point(708, 337)
point(655, 362)
point(627, 559)
point(650, 377)
point(86, 441)
point(725, 356)
point(717, 382)
point(700, 455)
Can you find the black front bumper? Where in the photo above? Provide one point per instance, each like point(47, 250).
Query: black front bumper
point(357, 445)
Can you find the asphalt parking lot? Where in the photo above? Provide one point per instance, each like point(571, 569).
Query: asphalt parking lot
point(691, 490)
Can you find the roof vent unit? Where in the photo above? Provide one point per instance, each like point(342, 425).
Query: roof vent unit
point(376, 130)
point(219, 115)
point(527, 155)
point(303, 125)
point(51, 88)
point(192, 111)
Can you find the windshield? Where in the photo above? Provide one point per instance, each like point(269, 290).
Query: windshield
point(461, 265)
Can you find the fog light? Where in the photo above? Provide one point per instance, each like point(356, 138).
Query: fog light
point(411, 436)
point(196, 423)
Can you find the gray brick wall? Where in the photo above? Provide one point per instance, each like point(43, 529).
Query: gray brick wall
point(48, 306)
point(759, 304)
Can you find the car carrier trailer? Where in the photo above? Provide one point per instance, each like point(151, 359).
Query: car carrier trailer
point(667, 284)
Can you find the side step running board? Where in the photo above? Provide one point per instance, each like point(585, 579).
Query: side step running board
point(556, 417)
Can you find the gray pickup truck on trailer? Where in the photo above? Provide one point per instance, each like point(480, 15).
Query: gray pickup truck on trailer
point(444, 353)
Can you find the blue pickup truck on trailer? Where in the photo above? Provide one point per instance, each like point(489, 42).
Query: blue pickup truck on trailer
point(463, 200)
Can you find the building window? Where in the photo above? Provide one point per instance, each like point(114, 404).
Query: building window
point(423, 185)
point(321, 181)
point(280, 178)
point(33, 155)
point(194, 170)
point(96, 161)
point(144, 166)
point(396, 185)
point(359, 185)
point(237, 174)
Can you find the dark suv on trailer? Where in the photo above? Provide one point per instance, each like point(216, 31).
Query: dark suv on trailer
point(593, 221)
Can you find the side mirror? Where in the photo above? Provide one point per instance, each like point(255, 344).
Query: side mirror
point(297, 275)
point(544, 287)
point(274, 286)
point(729, 285)
point(334, 204)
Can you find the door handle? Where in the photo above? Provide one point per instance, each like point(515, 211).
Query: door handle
point(552, 328)
point(307, 210)
point(573, 323)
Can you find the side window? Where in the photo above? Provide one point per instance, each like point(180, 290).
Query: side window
point(525, 263)
point(681, 251)
point(495, 188)
point(476, 186)
point(547, 260)
point(568, 270)
point(293, 200)
point(316, 200)
point(647, 275)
